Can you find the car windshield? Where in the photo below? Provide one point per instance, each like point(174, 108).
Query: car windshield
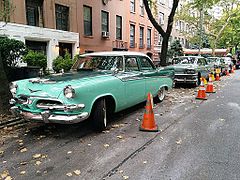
point(99, 63)
point(183, 60)
point(212, 59)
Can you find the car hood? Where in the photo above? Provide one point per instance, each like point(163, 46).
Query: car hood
point(52, 86)
point(181, 67)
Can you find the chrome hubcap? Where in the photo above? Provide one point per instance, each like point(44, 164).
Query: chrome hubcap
point(161, 94)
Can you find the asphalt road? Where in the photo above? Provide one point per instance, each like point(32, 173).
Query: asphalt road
point(198, 140)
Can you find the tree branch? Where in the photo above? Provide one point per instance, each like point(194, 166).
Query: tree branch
point(152, 19)
point(171, 16)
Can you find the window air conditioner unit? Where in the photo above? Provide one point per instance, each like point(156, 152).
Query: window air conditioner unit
point(105, 34)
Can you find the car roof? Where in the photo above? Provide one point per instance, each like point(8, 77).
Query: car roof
point(115, 53)
point(189, 56)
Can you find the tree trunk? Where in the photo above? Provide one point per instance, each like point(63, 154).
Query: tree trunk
point(4, 90)
point(165, 34)
point(163, 56)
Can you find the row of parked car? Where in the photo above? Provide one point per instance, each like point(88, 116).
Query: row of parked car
point(189, 69)
point(100, 84)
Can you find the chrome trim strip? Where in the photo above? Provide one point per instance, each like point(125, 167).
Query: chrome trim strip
point(62, 107)
point(47, 117)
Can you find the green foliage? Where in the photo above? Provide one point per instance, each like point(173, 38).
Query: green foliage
point(62, 63)
point(33, 58)
point(175, 49)
point(11, 50)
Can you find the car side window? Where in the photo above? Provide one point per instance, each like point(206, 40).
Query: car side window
point(131, 64)
point(199, 62)
point(145, 64)
point(203, 61)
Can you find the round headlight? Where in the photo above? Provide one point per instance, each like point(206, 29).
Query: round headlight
point(69, 92)
point(13, 88)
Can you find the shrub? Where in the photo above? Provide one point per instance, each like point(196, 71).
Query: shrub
point(11, 51)
point(62, 63)
point(33, 58)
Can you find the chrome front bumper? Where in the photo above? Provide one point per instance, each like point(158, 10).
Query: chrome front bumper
point(48, 117)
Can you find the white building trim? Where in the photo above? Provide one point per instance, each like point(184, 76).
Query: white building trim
point(51, 36)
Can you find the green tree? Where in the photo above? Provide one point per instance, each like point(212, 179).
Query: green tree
point(175, 49)
point(165, 34)
point(12, 51)
point(4, 89)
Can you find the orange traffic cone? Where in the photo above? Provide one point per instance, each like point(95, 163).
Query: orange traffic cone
point(210, 88)
point(217, 77)
point(227, 72)
point(148, 122)
point(202, 92)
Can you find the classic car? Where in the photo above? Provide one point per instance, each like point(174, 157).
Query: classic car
point(99, 84)
point(189, 69)
point(218, 63)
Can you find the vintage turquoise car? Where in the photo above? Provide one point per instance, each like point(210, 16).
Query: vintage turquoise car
point(189, 69)
point(99, 84)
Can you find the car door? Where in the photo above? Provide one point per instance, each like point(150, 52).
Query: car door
point(203, 67)
point(133, 81)
point(151, 76)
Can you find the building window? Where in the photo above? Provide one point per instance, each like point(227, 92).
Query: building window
point(34, 12)
point(141, 8)
point(62, 17)
point(160, 39)
point(37, 46)
point(119, 27)
point(161, 18)
point(149, 39)
point(87, 20)
point(105, 21)
point(132, 36)
point(132, 5)
point(141, 33)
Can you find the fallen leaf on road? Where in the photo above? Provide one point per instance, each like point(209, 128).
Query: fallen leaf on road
point(1, 153)
point(20, 144)
point(222, 119)
point(89, 144)
point(69, 174)
point(19, 140)
point(23, 150)
point(23, 163)
point(4, 162)
point(179, 141)
point(161, 137)
point(106, 145)
point(44, 156)
point(23, 172)
point(115, 126)
point(77, 172)
point(144, 162)
point(121, 171)
point(8, 178)
point(138, 119)
point(122, 125)
point(119, 137)
point(106, 131)
point(125, 177)
point(35, 156)
point(69, 152)
point(37, 163)
point(4, 174)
